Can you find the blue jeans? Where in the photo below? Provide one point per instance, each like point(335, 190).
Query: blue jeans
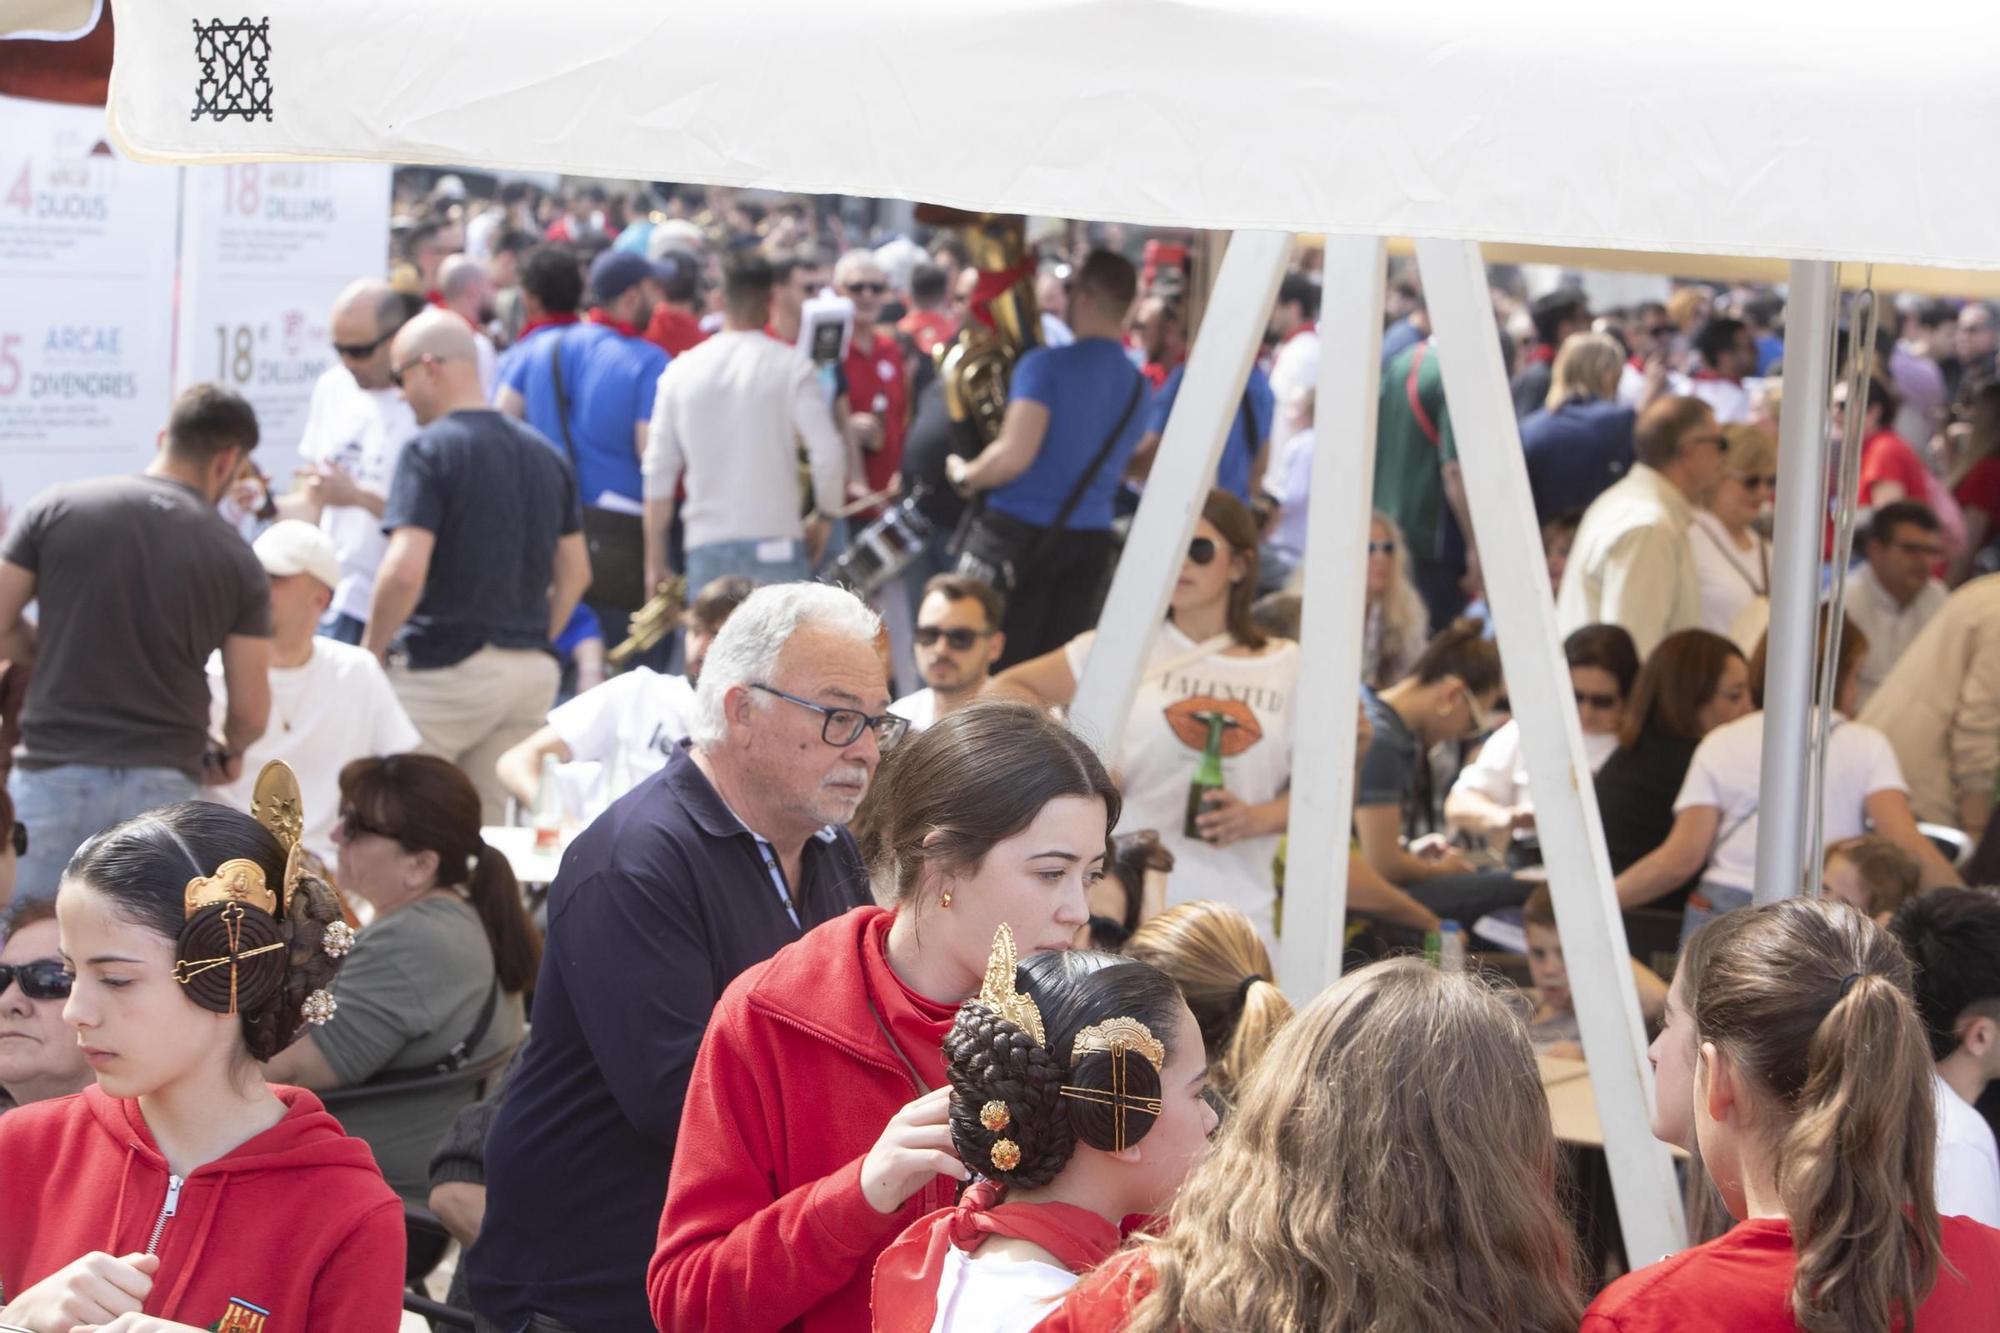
point(705, 564)
point(64, 806)
point(1708, 902)
point(343, 628)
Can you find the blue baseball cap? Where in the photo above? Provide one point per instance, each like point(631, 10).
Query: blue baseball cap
point(616, 272)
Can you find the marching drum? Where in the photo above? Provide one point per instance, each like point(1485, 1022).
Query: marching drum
point(883, 549)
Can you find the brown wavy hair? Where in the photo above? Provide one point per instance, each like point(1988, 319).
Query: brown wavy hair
point(1214, 954)
point(1388, 1168)
point(1681, 676)
point(1853, 650)
point(1845, 1070)
point(1228, 516)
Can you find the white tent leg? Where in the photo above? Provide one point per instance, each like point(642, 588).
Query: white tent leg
point(1336, 575)
point(1218, 367)
point(1793, 632)
point(1572, 837)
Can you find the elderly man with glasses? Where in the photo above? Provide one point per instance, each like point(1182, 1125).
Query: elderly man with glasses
point(733, 850)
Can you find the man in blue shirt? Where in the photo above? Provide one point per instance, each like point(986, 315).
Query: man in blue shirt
point(1072, 421)
point(608, 375)
point(1244, 453)
point(1579, 447)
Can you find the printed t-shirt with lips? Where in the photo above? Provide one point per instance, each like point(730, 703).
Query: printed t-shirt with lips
point(1163, 743)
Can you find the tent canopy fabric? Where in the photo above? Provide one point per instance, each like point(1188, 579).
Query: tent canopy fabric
point(1830, 131)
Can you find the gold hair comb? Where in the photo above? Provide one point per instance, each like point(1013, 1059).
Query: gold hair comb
point(1115, 1034)
point(1119, 1037)
point(998, 994)
point(277, 805)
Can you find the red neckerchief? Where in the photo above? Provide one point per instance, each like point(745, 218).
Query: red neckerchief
point(995, 283)
point(598, 315)
point(1706, 374)
point(1303, 328)
point(544, 322)
point(907, 1274)
point(1543, 355)
point(1636, 364)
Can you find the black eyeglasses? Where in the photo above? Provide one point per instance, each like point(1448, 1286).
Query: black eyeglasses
point(843, 726)
point(1591, 699)
point(43, 979)
point(396, 373)
point(19, 838)
point(352, 823)
point(870, 288)
point(1201, 550)
point(960, 639)
point(1381, 548)
point(361, 351)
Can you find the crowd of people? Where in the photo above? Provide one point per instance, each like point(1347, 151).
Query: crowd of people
point(868, 993)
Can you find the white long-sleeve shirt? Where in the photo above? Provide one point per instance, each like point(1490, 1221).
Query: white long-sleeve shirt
point(728, 416)
point(1631, 564)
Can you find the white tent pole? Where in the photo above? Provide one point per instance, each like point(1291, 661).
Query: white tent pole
point(1335, 597)
point(1217, 368)
point(1572, 838)
point(1795, 555)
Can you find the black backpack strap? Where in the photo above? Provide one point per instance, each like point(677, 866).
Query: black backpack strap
point(1090, 474)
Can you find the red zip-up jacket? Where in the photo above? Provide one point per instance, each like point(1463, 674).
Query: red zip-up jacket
point(296, 1225)
point(765, 1226)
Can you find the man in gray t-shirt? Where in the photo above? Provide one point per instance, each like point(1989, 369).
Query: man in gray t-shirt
point(138, 581)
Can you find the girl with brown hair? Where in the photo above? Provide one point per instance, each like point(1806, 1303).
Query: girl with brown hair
point(1213, 681)
point(816, 1127)
point(1214, 955)
point(1794, 1061)
point(1389, 1168)
point(1077, 1084)
point(438, 976)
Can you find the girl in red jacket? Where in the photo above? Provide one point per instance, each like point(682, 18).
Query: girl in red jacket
point(1793, 1047)
point(1388, 1165)
point(1080, 1100)
point(182, 1192)
point(816, 1127)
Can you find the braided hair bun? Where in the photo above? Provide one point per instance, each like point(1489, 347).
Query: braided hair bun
point(988, 1060)
point(219, 933)
point(308, 967)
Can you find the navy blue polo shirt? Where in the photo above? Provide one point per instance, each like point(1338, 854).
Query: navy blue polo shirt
point(610, 380)
point(659, 905)
point(1085, 387)
point(1575, 453)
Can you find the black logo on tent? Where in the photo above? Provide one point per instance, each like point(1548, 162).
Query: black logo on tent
point(235, 77)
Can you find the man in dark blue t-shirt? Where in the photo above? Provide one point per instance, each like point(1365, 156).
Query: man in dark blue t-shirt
point(1073, 417)
point(1244, 453)
point(484, 565)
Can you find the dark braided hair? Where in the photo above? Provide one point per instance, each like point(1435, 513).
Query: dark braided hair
point(990, 1059)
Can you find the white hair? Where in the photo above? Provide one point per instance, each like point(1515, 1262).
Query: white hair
point(853, 262)
point(745, 651)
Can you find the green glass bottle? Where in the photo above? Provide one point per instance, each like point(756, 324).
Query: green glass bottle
point(1207, 776)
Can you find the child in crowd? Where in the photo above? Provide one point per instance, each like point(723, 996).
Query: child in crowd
point(1077, 1095)
point(182, 1185)
point(1552, 1027)
point(1389, 1165)
point(1793, 1062)
point(1214, 954)
point(1870, 874)
point(1953, 939)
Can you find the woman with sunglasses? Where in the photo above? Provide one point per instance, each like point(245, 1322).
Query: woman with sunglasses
point(437, 975)
point(39, 1055)
point(816, 1126)
point(1209, 667)
point(1732, 559)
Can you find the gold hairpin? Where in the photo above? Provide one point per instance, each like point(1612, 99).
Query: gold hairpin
point(186, 970)
point(997, 992)
point(277, 805)
point(1114, 1034)
point(1118, 1037)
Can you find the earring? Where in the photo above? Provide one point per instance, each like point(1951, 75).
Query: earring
point(946, 900)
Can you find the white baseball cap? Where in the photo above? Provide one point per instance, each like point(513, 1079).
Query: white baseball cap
point(294, 546)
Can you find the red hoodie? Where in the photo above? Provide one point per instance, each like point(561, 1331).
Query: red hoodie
point(765, 1225)
point(296, 1224)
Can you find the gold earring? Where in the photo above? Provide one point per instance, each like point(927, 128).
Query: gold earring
point(946, 900)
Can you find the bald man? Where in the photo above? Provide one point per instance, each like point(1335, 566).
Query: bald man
point(485, 561)
point(465, 289)
point(355, 427)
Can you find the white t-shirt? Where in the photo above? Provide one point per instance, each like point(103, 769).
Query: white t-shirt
point(1728, 399)
point(1727, 768)
point(336, 708)
point(1730, 577)
point(997, 1295)
point(1163, 742)
point(920, 708)
point(362, 431)
point(627, 727)
point(1500, 774)
point(1968, 1162)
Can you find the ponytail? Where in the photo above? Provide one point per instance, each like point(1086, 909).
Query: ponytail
point(1855, 1170)
point(496, 896)
point(1214, 954)
point(1813, 1001)
point(1265, 1011)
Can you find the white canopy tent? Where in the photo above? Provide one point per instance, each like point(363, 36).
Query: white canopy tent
point(1811, 135)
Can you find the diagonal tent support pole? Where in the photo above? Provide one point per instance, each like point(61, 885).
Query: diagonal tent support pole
point(1791, 652)
point(1335, 601)
point(1572, 837)
point(1218, 366)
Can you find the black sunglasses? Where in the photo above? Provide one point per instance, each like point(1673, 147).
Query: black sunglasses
point(960, 639)
point(843, 726)
point(19, 838)
point(396, 373)
point(1592, 699)
point(361, 351)
point(1381, 548)
point(871, 288)
point(1201, 550)
point(43, 979)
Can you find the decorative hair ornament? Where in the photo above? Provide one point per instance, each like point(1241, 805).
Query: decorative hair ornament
point(1118, 1037)
point(338, 939)
point(995, 1116)
point(277, 805)
point(997, 992)
point(237, 881)
point(1006, 1154)
point(233, 916)
point(318, 1008)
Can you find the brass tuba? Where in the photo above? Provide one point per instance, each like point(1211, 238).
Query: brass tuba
point(1002, 323)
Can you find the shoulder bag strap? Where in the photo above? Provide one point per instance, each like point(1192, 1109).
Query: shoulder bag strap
point(1424, 422)
point(459, 1056)
point(1090, 474)
point(562, 397)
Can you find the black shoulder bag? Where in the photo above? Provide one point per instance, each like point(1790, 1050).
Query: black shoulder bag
point(999, 550)
point(616, 541)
